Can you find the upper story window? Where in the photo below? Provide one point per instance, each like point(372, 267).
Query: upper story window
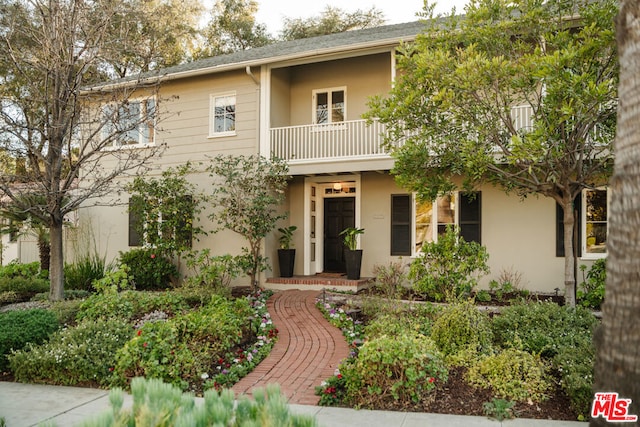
point(223, 115)
point(132, 123)
point(595, 207)
point(329, 105)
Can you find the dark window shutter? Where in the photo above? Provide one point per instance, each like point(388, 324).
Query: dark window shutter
point(577, 237)
point(469, 217)
point(134, 226)
point(400, 224)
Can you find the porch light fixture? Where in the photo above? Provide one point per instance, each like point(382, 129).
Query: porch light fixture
point(337, 186)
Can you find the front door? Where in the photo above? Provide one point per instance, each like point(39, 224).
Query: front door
point(339, 213)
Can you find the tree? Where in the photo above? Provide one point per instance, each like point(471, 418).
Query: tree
point(332, 20)
point(166, 210)
point(50, 53)
point(618, 339)
point(453, 103)
point(153, 34)
point(247, 193)
point(233, 28)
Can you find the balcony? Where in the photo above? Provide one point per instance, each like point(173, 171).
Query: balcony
point(351, 141)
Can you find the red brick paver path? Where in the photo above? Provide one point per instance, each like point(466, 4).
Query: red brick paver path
point(307, 352)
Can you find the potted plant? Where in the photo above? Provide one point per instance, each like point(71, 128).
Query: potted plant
point(286, 255)
point(352, 255)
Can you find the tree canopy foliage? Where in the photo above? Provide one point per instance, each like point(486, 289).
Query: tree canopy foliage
point(522, 94)
point(331, 20)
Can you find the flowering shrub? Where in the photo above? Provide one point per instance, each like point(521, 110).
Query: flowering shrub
point(332, 391)
point(74, 356)
point(403, 368)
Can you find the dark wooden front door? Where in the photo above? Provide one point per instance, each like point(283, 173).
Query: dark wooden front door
point(339, 213)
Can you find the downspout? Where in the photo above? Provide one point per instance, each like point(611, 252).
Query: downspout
point(250, 74)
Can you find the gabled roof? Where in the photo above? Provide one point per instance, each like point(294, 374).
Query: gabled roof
point(387, 35)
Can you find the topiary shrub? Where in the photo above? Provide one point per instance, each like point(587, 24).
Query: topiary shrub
point(81, 355)
point(150, 269)
point(512, 374)
point(448, 269)
point(460, 328)
point(404, 368)
point(156, 403)
point(20, 327)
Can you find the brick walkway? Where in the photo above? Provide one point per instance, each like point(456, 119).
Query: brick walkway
point(307, 352)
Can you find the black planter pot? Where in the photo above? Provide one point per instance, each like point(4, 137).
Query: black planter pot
point(353, 260)
point(286, 260)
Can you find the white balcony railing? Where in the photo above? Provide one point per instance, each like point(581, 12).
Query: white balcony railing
point(352, 139)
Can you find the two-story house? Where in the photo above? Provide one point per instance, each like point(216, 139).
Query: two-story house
point(303, 101)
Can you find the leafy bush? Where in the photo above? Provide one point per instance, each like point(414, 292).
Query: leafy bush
point(499, 409)
point(215, 272)
point(406, 368)
point(66, 311)
point(591, 292)
point(462, 328)
point(74, 356)
point(150, 269)
point(180, 349)
point(390, 278)
point(24, 285)
point(512, 374)
point(15, 269)
point(395, 325)
point(448, 269)
point(129, 305)
point(156, 403)
point(20, 327)
point(542, 327)
point(82, 273)
point(562, 335)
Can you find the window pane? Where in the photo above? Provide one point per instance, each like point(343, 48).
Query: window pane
point(337, 106)
point(424, 230)
point(596, 221)
point(224, 115)
point(322, 108)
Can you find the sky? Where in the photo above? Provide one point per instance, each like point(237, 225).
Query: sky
point(272, 12)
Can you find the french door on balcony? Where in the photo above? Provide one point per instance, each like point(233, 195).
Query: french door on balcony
point(339, 213)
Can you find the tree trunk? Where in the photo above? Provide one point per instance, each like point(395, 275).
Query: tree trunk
point(618, 340)
point(56, 269)
point(44, 251)
point(569, 252)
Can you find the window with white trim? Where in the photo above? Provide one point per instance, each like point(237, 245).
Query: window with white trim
point(430, 219)
point(595, 225)
point(130, 124)
point(329, 105)
point(223, 115)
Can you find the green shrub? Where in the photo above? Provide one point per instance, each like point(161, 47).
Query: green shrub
point(150, 270)
point(130, 305)
point(512, 374)
point(448, 269)
point(20, 327)
point(24, 285)
point(66, 311)
point(404, 368)
point(81, 355)
point(156, 403)
point(15, 269)
point(156, 351)
point(9, 297)
point(542, 327)
point(215, 272)
point(395, 325)
point(562, 335)
point(180, 349)
point(591, 292)
point(82, 273)
point(462, 327)
point(390, 278)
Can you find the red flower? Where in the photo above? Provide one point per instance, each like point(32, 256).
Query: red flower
point(111, 369)
point(145, 345)
point(153, 256)
point(431, 379)
point(339, 376)
point(139, 332)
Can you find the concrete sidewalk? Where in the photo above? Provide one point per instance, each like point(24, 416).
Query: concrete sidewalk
point(24, 405)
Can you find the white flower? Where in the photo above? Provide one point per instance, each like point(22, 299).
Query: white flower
point(204, 376)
